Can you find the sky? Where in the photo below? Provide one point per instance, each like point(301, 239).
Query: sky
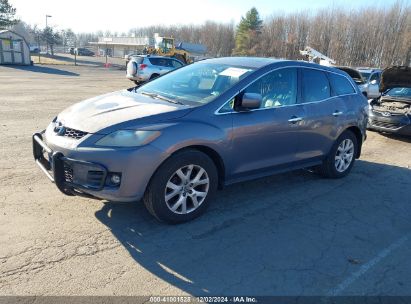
point(122, 15)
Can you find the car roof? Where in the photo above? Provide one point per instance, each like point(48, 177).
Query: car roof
point(368, 70)
point(259, 62)
point(154, 56)
point(251, 62)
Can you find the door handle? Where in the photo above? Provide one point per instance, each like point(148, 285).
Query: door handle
point(295, 119)
point(337, 113)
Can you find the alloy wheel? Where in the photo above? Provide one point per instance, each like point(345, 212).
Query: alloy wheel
point(344, 155)
point(186, 189)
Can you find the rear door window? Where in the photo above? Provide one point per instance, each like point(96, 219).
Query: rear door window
point(340, 84)
point(315, 85)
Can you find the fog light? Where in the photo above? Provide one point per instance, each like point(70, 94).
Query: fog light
point(115, 179)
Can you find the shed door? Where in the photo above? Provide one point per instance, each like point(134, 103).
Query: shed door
point(6, 47)
point(18, 54)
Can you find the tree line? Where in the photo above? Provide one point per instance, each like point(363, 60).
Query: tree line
point(368, 36)
point(372, 36)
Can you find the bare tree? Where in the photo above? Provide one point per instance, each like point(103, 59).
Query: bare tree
point(370, 36)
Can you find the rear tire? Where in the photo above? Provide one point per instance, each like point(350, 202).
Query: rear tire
point(154, 76)
point(182, 188)
point(341, 158)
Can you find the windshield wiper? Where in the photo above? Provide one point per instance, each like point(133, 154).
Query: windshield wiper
point(158, 96)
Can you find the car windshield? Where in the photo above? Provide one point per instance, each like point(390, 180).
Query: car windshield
point(365, 75)
point(400, 92)
point(195, 84)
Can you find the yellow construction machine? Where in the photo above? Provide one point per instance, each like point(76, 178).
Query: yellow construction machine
point(164, 46)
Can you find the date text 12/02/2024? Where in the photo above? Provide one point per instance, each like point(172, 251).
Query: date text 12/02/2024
point(189, 299)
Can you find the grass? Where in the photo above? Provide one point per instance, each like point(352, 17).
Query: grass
point(49, 60)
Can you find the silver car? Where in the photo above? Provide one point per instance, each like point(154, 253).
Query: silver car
point(142, 68)
point(367, 80)
point(172, 141)
point(372, 80)
point(392, 111)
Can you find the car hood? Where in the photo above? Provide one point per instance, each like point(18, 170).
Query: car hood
point(101, 112)
point(354, 74)
point(395, 77)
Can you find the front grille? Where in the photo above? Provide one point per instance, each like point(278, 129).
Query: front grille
point(385, 124)
point(95, 178)
point(73, 133)
point(68, 173)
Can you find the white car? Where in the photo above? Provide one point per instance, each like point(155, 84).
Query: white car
point(142, 68)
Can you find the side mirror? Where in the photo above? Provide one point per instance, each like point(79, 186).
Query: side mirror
point(374, 82)
point(249, 101)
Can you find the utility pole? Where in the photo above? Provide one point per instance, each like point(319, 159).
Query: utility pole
point(38, 42)
point(47, 43)
point(36, 33)
point(75, 51)
point(106, 53)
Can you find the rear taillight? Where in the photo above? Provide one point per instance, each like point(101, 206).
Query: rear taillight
point(142, 66)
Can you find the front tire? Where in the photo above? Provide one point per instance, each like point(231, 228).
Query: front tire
point(341, 158)
point(181, 189)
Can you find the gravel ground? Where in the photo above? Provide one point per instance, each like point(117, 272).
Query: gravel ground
point(290, 234)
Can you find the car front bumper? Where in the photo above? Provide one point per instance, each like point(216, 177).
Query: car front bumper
point(87, 171)
point(398, 124)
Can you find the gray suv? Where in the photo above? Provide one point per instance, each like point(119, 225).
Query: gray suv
point(173, 142)
point(142, 68)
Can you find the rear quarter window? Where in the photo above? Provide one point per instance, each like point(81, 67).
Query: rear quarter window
point(176, 64)
point(340, 84)
point(160, 61)
point(315, 85)
point(137, 60)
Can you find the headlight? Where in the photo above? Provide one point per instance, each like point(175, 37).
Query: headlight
point(128, 138)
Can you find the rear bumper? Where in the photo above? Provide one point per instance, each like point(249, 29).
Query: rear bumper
point(138, 77)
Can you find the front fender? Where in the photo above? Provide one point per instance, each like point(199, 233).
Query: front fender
point(180, 136)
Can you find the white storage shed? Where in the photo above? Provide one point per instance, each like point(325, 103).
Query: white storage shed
point(13, 48)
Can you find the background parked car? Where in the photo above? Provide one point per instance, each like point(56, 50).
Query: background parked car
point(392, 111)
point(83, 52)
point(372, 78)
point(367, 80)
point(142, 68)
point(34, 50)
